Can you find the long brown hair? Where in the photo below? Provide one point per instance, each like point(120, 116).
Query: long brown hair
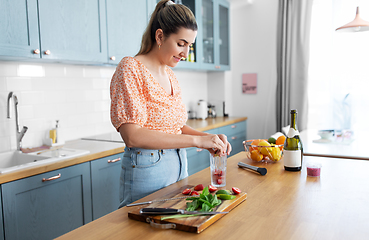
point(170, 18)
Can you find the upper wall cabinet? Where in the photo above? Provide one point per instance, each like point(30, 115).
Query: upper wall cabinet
point(73, 30)
point(214, 25)
point(104, 31)
point(127, 21)
point(19, 29)
point(62, 30)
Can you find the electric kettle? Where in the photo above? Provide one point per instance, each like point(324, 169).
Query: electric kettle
point(202, 109)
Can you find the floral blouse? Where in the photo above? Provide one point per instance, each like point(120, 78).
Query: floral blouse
point(136, 97)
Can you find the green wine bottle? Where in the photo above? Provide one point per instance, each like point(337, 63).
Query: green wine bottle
point(293, 150)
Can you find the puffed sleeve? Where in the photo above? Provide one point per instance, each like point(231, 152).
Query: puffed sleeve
point(128, 104)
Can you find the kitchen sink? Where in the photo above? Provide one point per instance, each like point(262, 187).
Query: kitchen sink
point(15, 160)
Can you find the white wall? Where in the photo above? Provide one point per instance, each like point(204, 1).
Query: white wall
point(253, 50)
point(76, 95)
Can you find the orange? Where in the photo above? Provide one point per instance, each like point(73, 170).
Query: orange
point(256, 156)
point(280, 141)
point(254, 143)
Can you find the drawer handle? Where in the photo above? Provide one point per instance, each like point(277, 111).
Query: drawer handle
point(233, 138)
point(47, 52)
point(233, 126)
point(112, 58)
point(36, 51)
point(114, 160)
point(199, 149)
point(51, 178)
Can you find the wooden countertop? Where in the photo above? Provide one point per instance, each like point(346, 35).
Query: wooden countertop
point(211, 123)
point(279, 205)
point(99, 149)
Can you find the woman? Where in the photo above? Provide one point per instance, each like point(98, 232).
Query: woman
point(147, 108)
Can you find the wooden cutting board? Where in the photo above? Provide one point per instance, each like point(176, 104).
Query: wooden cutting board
point(194, 224)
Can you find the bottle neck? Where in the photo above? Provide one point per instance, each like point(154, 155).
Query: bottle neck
point(293, 120)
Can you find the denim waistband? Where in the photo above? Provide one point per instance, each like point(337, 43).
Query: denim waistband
point(163, 151)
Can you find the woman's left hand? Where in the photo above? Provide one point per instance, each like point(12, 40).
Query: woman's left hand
point(225, 141)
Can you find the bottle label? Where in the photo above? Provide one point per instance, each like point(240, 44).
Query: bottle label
point(292, 132)
point(292, 158)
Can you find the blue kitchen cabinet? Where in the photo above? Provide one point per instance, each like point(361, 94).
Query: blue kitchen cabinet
point(1, 220)
point(73, 30)
point(214, 35)
point(19, 29)
point(58, 30)
point(197, 160)
point(126, 23)
point(105, 177)
point(47, 205)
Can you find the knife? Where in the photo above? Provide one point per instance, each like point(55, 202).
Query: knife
point(160, 200)
point(170, 211)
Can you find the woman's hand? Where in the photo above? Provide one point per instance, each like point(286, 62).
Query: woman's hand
point(225, 141)
point(215, 143)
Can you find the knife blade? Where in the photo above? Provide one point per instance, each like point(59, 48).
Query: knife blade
point(171, 211)
point(160, 200)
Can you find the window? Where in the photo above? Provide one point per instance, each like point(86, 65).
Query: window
point(338, 88)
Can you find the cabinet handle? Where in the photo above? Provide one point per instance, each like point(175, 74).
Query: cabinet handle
point(199, 149)
point(36, 51)
point(51, 178)
point(112, 58)
point(47, 52)
point(217, 67)
point(233, 126)
point(233, 138)
point(114, 160)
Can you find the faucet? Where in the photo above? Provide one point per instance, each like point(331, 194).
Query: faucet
point(19, 134)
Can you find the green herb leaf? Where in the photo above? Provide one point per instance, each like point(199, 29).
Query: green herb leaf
point(206, 201)
point(206, 208)
point(192, 206)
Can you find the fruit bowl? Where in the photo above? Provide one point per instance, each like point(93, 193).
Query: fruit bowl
point(260, 150)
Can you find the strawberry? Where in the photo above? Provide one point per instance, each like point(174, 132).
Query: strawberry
point(199, 187)
point(236, 190)
point(194, 193)
point(219, 181)
point(186, 191)
point(212, 188)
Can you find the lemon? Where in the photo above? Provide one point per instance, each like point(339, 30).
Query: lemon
point(264, 150)
point(275, 154)
point(256, 156)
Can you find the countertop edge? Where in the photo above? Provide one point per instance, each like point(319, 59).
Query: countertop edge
point(209, 123)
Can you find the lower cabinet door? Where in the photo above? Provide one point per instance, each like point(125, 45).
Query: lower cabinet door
point(236, 143)
point(47, 205)
point(105, 174)
point(1, 220)
point(197, 159)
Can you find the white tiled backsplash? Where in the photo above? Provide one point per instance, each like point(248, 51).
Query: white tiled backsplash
point(76, 95)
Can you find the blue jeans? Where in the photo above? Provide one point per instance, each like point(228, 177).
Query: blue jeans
point(145, 171)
